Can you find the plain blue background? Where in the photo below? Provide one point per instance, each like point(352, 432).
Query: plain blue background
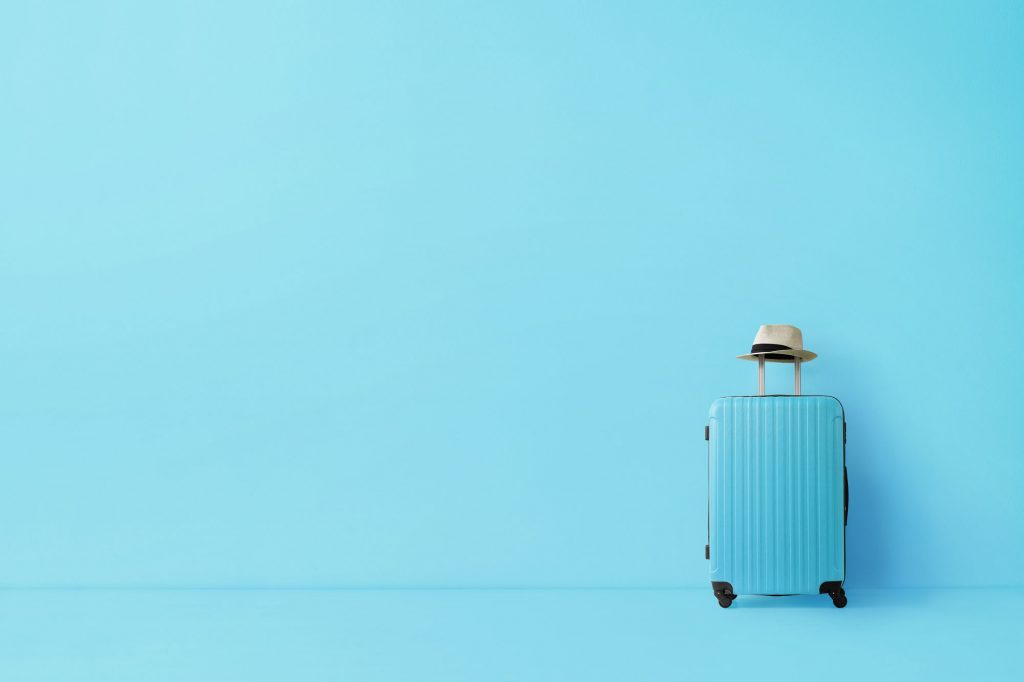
point(313, 294)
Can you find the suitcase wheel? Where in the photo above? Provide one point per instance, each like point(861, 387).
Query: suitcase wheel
point(838, 598)
point(725, 597)
point(723, 593)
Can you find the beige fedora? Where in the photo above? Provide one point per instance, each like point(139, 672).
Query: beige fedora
point(778, 343)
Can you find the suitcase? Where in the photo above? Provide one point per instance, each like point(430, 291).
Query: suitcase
point(777, 495)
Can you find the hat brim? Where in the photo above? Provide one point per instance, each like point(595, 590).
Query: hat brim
point(804, 355)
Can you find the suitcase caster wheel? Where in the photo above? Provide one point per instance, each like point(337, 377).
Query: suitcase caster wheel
point(723, 593)
point(839, 598)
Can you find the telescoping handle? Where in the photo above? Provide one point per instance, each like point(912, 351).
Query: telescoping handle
point(760, 375)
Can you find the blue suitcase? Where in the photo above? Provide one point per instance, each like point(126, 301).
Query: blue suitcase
point(777, 495)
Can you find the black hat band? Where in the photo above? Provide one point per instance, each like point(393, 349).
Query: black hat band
point(767, 347)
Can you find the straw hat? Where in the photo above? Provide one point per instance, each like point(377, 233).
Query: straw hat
point(778, 343)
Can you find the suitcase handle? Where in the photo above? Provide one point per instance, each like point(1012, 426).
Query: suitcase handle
point(760, 375)
point(846, 498)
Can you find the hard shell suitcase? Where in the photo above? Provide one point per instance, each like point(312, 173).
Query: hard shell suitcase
point(777, 495)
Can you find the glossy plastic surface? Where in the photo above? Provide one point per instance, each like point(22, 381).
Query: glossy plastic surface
point(776, 493)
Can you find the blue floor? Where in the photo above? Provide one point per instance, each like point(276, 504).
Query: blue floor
point(456, 635)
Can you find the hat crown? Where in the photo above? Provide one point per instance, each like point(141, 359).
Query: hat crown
point(780, 334)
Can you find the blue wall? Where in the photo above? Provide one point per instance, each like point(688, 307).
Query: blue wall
point(305, 294)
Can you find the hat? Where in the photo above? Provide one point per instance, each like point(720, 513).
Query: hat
point(778, 343)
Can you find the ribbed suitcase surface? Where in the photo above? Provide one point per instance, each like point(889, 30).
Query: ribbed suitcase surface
point(776, 493)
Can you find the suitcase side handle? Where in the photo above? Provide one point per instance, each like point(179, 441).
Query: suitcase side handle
point(760, 375)
point(846, 497)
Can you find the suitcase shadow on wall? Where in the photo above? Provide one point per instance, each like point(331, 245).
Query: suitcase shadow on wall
point(876, 522)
